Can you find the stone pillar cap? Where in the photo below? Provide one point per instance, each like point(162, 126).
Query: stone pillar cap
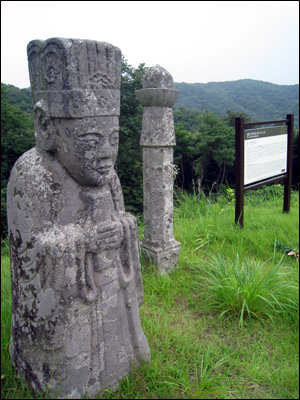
point(157, 77)
point(157, 88)
point(153, 97)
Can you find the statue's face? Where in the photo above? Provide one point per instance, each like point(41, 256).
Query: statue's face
point(87, 147)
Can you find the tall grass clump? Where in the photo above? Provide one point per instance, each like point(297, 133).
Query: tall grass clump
point(249, 289)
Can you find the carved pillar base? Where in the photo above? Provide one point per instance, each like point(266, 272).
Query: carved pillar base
point(165, 258)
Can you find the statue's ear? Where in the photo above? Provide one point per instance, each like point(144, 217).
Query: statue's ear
point(44, 128)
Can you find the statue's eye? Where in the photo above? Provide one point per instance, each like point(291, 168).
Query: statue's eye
point(92, 142)
point(91, 139)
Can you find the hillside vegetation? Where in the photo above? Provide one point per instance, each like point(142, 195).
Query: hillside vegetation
point(262, 101)
point(204, 153)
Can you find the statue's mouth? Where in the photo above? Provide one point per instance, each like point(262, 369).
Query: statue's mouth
point(104, 169)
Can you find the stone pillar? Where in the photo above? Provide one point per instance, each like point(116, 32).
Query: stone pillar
point(157, 140)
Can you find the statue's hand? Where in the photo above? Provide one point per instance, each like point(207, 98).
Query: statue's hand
point(129, 218)
point(106, 236)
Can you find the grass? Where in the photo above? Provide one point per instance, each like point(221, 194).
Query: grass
point(246, 289)
point(225, 323)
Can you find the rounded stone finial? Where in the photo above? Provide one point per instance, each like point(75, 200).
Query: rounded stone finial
point(157, 77)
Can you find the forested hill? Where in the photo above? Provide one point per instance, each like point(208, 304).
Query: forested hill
point(262, 101)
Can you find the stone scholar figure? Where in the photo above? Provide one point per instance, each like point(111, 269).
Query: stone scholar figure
point(76, 278)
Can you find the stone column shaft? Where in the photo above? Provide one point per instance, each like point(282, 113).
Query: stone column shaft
point(157, 140)
point(158, 208)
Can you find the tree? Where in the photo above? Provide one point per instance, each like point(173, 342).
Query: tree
point(129, 162)
point(215, 141)
point(229, 119)
point(184, 155)
point(17, 136)
point(204, 149)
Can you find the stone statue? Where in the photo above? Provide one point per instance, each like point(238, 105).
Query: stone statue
point(157, 139)
point(76, 277)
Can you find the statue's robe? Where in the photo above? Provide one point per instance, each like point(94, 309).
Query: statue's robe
point(75, 310)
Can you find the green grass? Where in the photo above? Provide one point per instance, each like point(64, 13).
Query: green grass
point(225, 323)
point(247, 289)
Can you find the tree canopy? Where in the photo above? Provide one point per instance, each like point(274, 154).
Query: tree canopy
point(204, 148)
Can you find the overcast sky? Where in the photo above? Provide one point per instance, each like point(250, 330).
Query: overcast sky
point(196, 41)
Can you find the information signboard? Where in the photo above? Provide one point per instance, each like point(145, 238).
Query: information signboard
point(263, 156)
point(265, 153)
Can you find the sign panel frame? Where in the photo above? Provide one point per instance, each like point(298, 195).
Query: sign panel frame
point(279, 158)
point(265, 153)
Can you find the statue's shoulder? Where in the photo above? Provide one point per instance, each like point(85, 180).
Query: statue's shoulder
point(30, 170)
point(29, 163)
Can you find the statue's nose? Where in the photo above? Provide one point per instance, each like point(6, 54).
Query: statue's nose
point(104, 150)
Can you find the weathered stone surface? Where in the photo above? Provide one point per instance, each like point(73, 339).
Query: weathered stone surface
point(76, 78)
point(76, 278)
point(157, 97)
point(165, 258)
point(158, 208)
point(157, 127)
point(157, 77)
point(157, 140)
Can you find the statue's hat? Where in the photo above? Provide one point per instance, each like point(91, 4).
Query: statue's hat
point(75, 78)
